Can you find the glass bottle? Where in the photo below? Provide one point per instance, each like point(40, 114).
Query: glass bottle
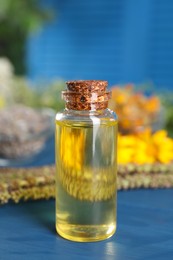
point(86, 165)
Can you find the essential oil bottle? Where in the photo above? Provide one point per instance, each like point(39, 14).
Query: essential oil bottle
point(86, 164)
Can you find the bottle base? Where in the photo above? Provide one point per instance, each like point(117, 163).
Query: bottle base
point(85, 233)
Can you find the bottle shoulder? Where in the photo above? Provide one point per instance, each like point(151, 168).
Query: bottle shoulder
point(110, 114)
point(87, 116)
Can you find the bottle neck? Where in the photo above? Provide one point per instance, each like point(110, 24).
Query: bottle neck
point(93, 112)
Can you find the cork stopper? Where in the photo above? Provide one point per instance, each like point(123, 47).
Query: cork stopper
point(86, 95)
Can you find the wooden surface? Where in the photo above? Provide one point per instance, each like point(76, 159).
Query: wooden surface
point(145, 230)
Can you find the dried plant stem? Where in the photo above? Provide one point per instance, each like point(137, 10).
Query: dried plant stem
point(39, 183)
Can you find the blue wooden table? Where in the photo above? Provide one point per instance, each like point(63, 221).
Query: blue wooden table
point(145, 229)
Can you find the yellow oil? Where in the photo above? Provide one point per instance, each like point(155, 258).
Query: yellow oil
point(86, 180)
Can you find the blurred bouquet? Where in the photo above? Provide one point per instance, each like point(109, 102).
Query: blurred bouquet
point(14, 89)
point(135, 110)
point(143, 138)
point(26, 113)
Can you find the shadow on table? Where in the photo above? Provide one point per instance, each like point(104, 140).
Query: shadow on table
point(41, 213)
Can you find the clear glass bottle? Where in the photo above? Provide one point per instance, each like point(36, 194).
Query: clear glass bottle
point(86, 165)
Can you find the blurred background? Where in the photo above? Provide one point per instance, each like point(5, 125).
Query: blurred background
point(119, 40)
point(129, 43)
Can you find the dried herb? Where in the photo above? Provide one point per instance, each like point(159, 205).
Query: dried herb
point(39, 183)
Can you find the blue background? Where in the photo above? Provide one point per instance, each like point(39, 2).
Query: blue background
point(118, 40)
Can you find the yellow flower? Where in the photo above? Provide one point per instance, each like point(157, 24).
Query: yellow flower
point(140, 146)
point(165, 151)
point(125, 155)
point(145, 147)
point(127, 140)
point(142, 157)
point(159, 136)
